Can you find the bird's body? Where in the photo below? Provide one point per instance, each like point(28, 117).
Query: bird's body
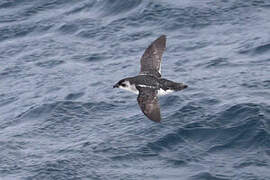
point(149, 84)
point(161, 85)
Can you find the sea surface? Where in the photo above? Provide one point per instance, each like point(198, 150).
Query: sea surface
point(61, 119)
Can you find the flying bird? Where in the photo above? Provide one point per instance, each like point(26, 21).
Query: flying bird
point(149, 84)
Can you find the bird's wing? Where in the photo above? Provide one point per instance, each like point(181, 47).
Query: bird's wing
point(151, 59)
point(148, 102)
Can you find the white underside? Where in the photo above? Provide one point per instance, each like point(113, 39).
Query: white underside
point(132, 88)
point(161, 92)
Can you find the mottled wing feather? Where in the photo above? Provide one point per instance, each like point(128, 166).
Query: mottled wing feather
point(148, 102)
point(151, 59)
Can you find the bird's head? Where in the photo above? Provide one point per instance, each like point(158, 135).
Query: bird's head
point(124, 83)
point(127, 84)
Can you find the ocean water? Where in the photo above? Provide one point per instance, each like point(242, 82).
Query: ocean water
point(60, 118)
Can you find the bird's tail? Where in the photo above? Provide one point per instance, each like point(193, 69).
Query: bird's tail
point(180, 86)
point(172, 85)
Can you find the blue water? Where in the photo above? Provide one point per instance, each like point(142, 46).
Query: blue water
point(61, 118)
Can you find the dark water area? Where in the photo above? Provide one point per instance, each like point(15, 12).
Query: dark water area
point(61, 118)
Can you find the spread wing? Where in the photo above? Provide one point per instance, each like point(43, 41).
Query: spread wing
point(151, 59)
point(148, 102)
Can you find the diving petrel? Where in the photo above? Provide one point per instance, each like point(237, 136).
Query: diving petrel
point(149, 84)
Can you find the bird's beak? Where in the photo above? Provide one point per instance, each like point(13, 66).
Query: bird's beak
point(116, 86)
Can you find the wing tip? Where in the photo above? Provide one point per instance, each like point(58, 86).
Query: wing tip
point(162, 38)
point(161, 42)
point(154, 117)
point(157, 120)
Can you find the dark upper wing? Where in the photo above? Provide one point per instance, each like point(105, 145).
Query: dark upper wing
point(148, 102)
point(151, 59)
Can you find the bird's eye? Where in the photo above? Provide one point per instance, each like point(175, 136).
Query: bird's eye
point(124, 85)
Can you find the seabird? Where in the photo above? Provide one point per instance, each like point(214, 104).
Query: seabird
point(149, 84)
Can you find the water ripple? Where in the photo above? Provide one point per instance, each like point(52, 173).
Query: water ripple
point(61, 118)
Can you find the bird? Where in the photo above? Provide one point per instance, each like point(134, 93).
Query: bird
point(149, 84)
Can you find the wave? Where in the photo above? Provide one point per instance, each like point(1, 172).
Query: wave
point(257, 50)
point(242, 127)
point(208, 176)
point(59, 57)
